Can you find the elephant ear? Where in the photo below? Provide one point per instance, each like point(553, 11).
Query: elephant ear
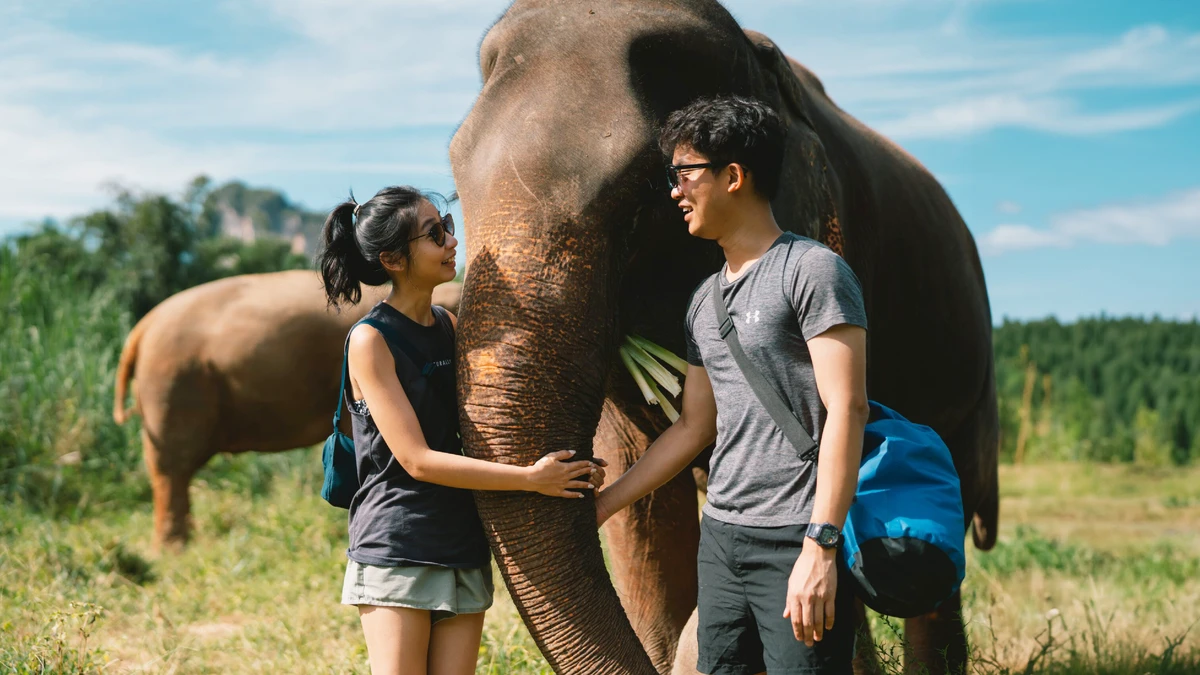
point(810, 170)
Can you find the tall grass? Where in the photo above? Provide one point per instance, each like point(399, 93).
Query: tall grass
point(60, 450)
point(61, 453)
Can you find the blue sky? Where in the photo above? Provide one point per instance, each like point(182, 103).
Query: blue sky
point(1067, 132)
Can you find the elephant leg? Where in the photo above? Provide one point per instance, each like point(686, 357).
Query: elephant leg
point(688, 651)
point(169, 481)
point(652, 543)
point(937, 642)
point(866, 657)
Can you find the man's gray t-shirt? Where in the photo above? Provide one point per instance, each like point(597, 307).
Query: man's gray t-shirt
point(797, 290)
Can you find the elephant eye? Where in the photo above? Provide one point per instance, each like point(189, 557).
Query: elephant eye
point(487, 64)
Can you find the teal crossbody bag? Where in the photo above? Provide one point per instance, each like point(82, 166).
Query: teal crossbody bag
point(337, 458)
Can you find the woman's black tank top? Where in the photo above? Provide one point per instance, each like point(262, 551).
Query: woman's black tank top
point(396, 519)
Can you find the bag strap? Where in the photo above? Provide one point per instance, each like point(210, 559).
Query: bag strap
point(776, 407)
point(337, 414)
point(392, 337)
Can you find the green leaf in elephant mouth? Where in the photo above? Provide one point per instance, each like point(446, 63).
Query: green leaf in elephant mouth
point(638, 354)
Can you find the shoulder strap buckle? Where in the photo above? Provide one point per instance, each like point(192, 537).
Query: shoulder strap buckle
point(726, 327)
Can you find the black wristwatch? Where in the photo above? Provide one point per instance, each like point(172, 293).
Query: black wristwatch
point(825, 534)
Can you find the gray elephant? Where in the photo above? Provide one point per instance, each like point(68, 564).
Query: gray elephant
point(573, 242)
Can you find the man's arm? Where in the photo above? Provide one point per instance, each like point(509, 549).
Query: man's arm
point(671, 452)
point(839, 357)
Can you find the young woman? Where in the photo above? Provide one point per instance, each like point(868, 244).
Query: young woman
point(419, 567)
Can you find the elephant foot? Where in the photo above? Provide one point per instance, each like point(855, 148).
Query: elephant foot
point(172, 513)
point(937, 642)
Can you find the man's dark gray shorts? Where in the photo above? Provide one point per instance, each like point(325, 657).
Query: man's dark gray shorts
point(743, 574)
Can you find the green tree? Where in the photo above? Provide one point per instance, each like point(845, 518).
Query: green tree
point(1120, 366)
point(1149, 449)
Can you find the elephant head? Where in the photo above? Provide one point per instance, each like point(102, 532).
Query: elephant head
point(572, 242)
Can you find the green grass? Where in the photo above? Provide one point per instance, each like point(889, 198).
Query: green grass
point(1092, 573)
point(258, 590)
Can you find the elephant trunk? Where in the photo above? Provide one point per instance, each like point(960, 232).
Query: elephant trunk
point(534, 340)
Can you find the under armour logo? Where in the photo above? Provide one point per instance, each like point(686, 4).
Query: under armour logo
point(752, 317)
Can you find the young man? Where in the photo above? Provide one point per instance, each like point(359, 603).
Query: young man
point(769, 595)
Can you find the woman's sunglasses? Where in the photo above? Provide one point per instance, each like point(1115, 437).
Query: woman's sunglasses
point(437, 233)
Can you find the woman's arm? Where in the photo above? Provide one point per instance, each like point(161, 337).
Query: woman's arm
point(373, 371)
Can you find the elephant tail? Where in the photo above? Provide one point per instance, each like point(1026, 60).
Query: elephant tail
point(987, 518)
point(986, 522)
point(125, 369)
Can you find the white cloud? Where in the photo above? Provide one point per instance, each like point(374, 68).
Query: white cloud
point(922, 81)
point(1155, 223)
point(1006, 238)
point(77, 111)
point(1059, 116)
point(373, 66)
point(1008, 207)
point(63, 168)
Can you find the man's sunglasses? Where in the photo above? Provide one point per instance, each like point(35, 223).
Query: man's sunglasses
point(438, 231)
point(674, 169)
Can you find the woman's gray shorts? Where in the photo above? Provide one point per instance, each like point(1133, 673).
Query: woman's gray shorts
point(446, 592)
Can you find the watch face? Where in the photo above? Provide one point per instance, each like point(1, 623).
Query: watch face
point(824, 534)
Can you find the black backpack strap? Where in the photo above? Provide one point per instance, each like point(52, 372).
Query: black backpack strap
point(776, 406)
point(337, 414)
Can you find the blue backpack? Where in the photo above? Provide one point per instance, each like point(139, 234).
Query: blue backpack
point(903, 537)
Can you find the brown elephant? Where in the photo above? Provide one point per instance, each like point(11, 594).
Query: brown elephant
point(248, 363)
point(573, 242)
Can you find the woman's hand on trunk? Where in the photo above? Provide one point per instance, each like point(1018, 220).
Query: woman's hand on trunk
point(554, 476)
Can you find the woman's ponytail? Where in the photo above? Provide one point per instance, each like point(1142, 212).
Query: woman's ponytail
point(340, 260)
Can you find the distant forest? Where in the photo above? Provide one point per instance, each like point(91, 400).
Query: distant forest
point(1103, 389)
